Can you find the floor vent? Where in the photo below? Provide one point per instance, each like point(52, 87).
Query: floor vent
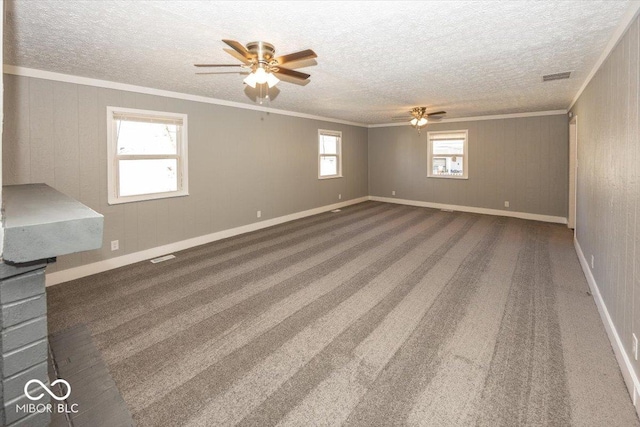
point(336, 210)
point(162, 258)
point(446, 210)
point(556, 76)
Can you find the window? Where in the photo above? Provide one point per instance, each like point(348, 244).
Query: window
point(448, 154)
point(147, 155)
point(329, 154)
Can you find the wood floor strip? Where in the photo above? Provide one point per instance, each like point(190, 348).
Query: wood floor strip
point(94, 395)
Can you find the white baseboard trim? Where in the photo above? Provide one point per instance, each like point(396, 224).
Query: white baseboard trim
point(111, 263)
point(628, 373)
point(486, 211)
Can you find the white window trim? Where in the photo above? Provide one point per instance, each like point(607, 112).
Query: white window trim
point(465, 156)
point(112, 158)
point(339, 155)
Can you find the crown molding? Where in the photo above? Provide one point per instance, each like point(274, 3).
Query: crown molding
point(69, 78)
point(621, 29)
point(477, 118)
point(86, 81)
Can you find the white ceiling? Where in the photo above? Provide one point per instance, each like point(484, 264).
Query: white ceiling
point(375, 59)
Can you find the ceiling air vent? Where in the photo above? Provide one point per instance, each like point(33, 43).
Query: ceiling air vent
point(556, 76)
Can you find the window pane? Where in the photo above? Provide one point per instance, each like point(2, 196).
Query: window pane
point(328, 144)
point(448, 166)
point(146, 138)
point(328, 165)
point(448, 147)
point(148, 176)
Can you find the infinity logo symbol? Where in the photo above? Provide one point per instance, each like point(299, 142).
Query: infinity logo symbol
point(45, 388)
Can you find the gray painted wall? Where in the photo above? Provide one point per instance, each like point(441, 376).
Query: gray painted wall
point(240, 161)
point(520, 160)
point(1, 124)
point(608, 221)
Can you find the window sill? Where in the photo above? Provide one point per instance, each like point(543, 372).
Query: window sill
point(447, 177)
point(330, 177)
point(145, 197)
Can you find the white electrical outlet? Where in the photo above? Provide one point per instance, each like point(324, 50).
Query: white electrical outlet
point(592, 261)
point(259, 214)
point(339, 196)
point(634, 348)
point(393, 193)
point(115, 245)
point(506, 203)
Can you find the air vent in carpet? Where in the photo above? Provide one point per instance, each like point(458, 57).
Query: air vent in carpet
point(556, 76)
point(162, 258)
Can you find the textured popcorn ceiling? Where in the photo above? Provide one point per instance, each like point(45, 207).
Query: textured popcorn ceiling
point(375, 59)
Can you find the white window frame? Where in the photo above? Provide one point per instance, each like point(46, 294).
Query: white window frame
point(338, 156)
point(465, 156)
point(113, 157)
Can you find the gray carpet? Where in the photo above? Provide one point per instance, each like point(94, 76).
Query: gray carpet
point(377, 315)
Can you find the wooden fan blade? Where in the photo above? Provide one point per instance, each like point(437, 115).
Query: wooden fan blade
point(224, 72)
point(297, 56)
point(437, 113)
point(291, 73)
point(238, 48)
point(217, 65)
point(237, 56)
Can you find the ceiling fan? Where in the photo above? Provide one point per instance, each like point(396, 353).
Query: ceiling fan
point(418, 117)
point(260, 59)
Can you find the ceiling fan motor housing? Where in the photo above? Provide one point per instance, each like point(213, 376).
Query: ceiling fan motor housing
point(418, 112)
point(262, 50)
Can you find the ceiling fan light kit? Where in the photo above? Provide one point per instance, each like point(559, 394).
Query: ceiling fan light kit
point(419, 123)
point(260, 77)
point(272, 80)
